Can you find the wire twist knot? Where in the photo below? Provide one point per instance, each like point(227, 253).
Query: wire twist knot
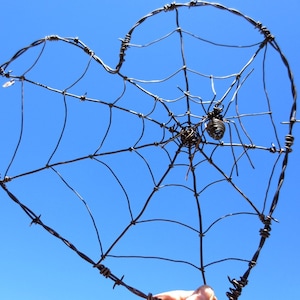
point(289, 141)
point(169, 7)
point(237, 290)
point(265, 31)
point(36, 220)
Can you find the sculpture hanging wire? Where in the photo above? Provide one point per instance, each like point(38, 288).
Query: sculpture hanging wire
point(186, 139)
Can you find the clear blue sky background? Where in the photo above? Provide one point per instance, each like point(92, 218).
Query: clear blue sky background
point(33, 264)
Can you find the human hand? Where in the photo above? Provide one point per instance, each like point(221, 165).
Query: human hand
point(204, 292)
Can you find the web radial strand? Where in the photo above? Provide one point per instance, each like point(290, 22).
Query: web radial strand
point(168, 145)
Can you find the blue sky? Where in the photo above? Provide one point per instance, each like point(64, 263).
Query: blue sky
point(35, 265)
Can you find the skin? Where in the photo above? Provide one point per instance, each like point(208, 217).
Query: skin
point(204, 292)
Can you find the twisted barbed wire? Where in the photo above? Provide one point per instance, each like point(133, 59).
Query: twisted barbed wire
point(196, 135)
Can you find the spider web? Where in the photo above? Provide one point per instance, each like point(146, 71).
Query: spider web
point(135, 146)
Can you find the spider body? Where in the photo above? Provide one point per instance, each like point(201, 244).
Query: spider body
point(215, 126)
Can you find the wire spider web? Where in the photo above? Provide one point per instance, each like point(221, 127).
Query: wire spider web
point(152, 160)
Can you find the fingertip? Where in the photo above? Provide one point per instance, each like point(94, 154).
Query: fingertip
point(205, 292)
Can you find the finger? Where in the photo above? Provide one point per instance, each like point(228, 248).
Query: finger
point(205, 292)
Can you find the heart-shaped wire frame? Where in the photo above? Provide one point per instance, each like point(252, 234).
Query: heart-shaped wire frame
point(192, 135)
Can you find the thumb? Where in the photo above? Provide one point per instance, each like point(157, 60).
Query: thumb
point(205, 292)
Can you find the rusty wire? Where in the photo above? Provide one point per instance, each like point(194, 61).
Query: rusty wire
point(200, 136)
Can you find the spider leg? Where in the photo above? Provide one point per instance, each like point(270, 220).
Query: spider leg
point(191, 158)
